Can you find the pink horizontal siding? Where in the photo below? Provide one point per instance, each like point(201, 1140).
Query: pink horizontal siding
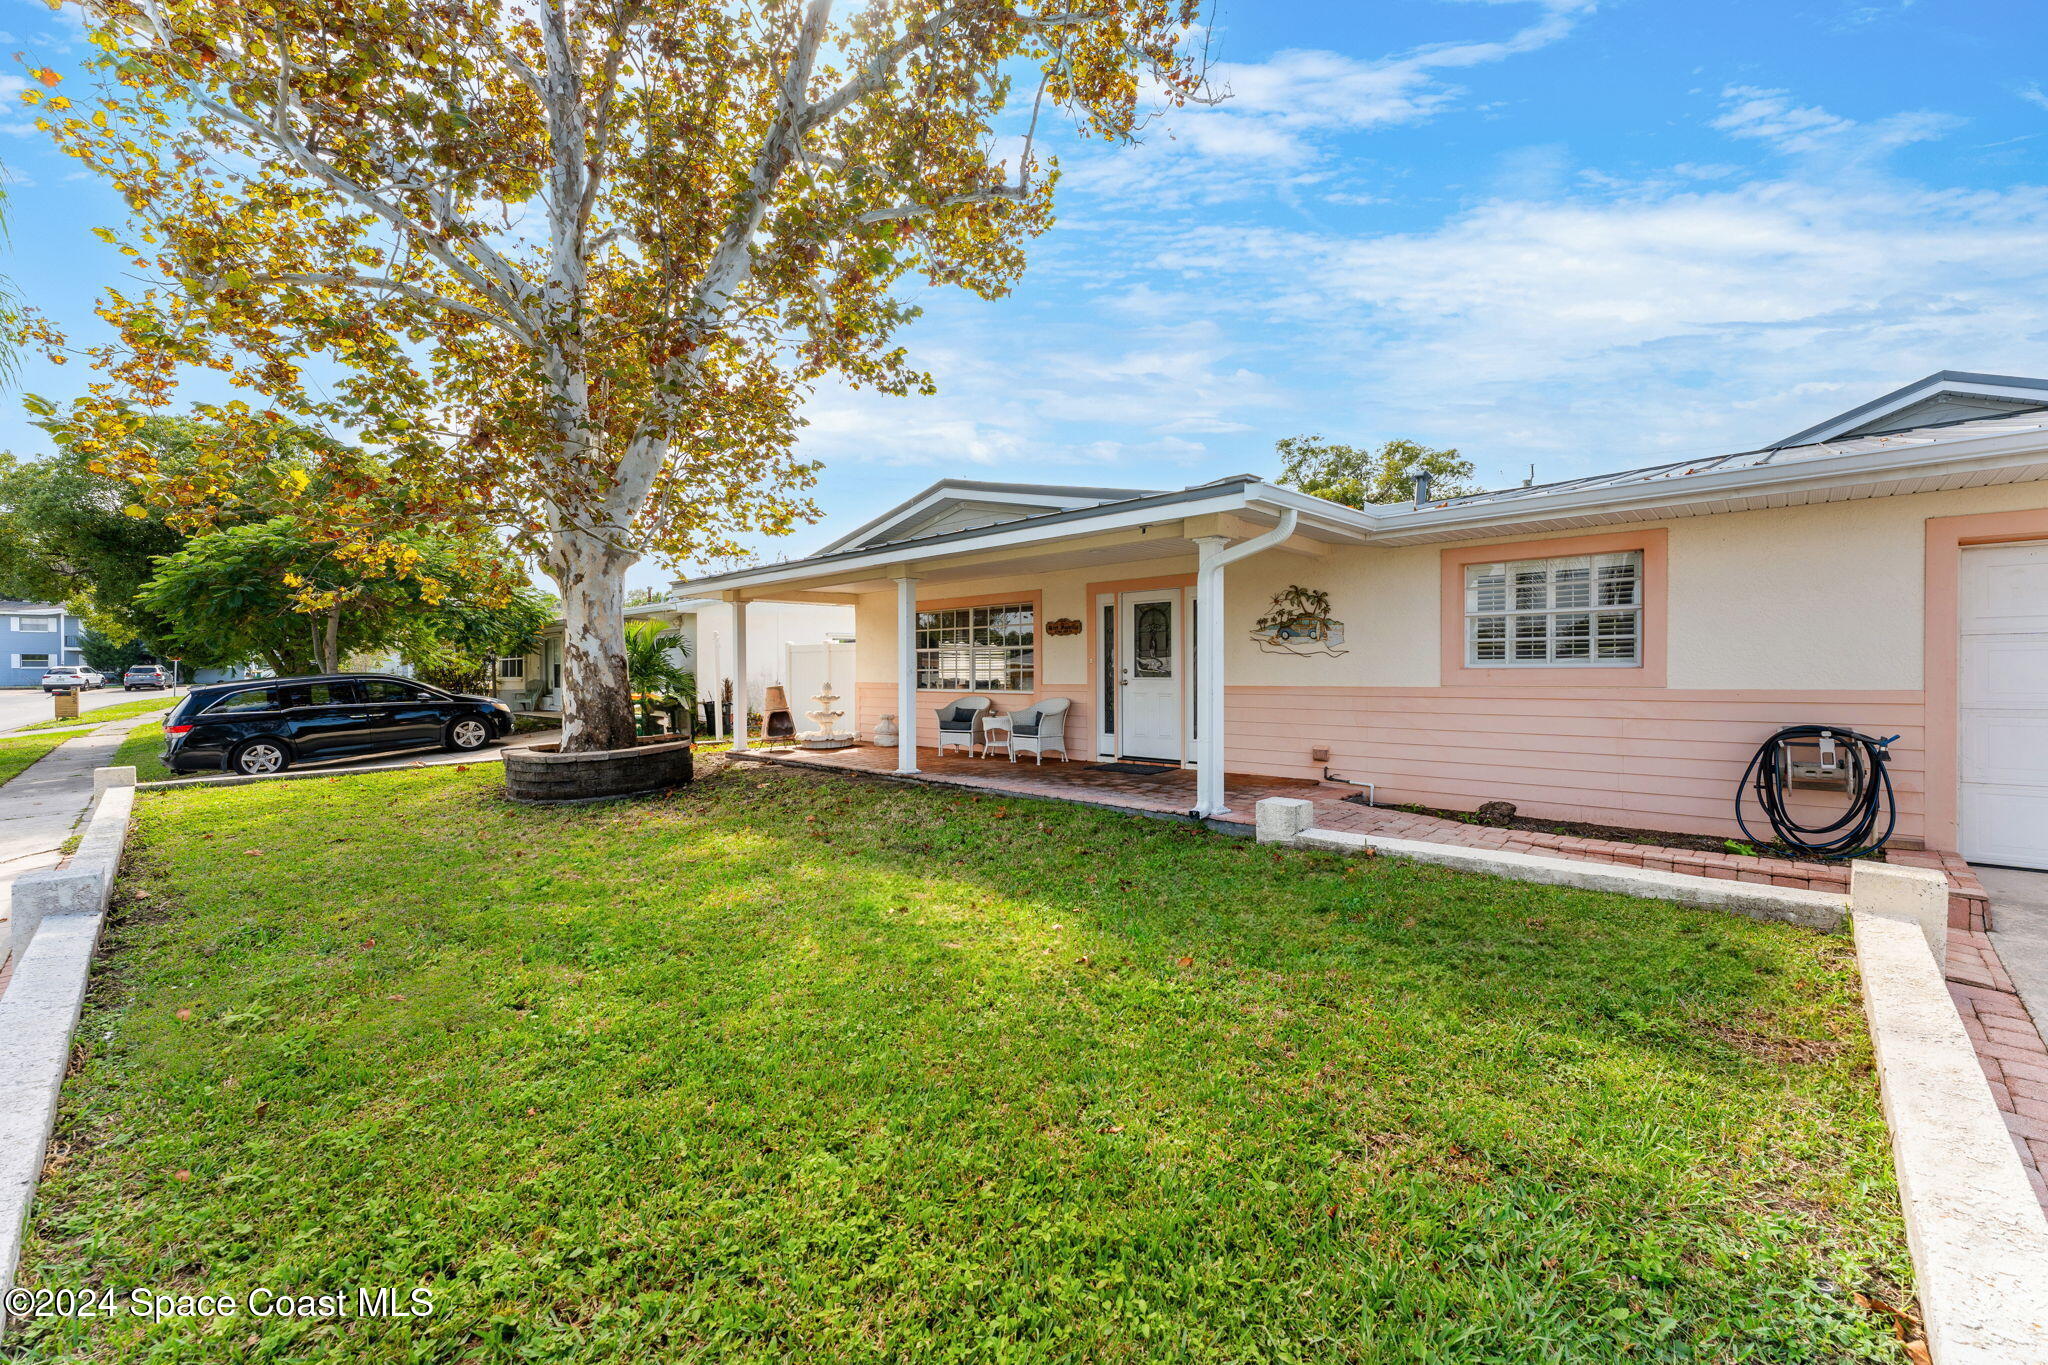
point(1647, 758)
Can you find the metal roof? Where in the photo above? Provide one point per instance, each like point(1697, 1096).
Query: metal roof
point(2035, 418)
point(1968, 384)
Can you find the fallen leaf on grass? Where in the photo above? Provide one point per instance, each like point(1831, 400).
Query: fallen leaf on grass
point(184, 1014)
point(182, 1176)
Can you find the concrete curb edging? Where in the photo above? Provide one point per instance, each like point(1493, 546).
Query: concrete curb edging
point(1286, 821)
point(1978, 1236)
point(63, 909)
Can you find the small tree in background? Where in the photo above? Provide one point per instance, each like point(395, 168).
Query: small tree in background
point(111, 656)
point(568, 268)
point(271, 591)
point(71, 531)
point(1355, 477)
point(653, 667)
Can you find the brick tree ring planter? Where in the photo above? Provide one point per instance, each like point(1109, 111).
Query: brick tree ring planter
point(541, 773)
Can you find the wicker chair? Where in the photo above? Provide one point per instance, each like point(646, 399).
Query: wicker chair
point(960, 723)
point(1038, 728)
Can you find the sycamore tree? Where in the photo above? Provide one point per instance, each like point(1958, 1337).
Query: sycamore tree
point(568, 268)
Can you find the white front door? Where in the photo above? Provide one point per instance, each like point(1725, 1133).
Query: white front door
point(1149, 654)
point(2002, 706)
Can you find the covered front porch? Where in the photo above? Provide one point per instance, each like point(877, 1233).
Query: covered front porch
point(1115, 613)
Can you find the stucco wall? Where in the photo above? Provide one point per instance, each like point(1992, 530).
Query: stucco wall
point(1772, 617)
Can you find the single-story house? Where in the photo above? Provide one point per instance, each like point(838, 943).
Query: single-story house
point(795, 645)
point(1610, 649)
point(34, 638)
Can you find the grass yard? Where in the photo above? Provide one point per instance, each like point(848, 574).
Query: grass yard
point(17, 754)
point(793, 1067)
point(120, 710)
point(139, 751)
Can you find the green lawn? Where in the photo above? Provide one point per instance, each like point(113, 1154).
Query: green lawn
point(791, 1067)
point(17, 754)
point(118, 711)
point(139, 750)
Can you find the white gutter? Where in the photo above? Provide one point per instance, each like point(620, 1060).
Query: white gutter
point(1216, 553)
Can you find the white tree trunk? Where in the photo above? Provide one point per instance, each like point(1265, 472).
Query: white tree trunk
point(597, 706)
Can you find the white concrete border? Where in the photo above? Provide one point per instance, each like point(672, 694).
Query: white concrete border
point(63, 909)
point(1823, 910)
point(1979, 1238)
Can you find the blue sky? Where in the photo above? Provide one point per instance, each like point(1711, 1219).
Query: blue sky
point(1573, 235)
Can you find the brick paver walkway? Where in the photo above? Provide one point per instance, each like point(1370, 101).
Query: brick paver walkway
point(2009, 1046)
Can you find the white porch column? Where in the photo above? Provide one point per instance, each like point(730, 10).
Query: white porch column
point(1209, 674)
point(906, 675)
point(739, 678)
point(1215, 553)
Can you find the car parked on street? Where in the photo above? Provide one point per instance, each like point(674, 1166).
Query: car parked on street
point(146, 675)
point(66, 676)
point(258, 727)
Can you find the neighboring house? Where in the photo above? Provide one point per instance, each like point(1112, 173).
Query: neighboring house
point(788, 646)
point(1609, 649)
point(35, 637)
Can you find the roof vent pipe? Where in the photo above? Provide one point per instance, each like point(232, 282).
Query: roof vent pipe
point(1421, 484)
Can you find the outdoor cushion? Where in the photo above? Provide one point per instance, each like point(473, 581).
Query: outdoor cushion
point(1025, 722)
point(959, 718)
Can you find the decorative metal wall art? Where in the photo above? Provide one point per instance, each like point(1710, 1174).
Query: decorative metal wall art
point(1299, 622)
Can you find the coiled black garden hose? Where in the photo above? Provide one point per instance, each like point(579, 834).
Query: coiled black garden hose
point(1851, 835)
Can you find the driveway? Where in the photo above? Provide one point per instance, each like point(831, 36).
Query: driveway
point(24, 705)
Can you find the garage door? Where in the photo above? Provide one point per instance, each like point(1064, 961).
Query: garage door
point(2003, 706)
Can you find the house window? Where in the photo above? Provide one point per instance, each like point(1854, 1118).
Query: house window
point(1574, 612)
point(35, 624)
point(512, 668)
point(31, 661)
point(990, 648)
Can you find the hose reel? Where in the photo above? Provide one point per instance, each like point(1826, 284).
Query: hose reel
point(1830, 758)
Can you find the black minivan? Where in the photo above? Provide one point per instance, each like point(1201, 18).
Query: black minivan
point(255, 727)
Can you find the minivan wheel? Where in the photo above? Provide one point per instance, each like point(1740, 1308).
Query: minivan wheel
point(467, 734)
point(259, 758)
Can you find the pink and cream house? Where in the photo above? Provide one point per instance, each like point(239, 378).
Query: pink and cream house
point(1608, 649)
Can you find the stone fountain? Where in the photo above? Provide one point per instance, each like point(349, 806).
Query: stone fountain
point(827, 714)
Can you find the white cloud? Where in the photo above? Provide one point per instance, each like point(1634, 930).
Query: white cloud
point(2033, 94)
point(1074, 397)
point(1770, 116)
point(1272, 126)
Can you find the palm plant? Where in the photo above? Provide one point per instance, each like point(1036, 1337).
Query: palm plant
point(652, 670)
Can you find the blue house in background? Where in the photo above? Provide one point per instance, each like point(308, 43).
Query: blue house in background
point(35, 636)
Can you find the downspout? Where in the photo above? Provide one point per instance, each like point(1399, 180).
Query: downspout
point(1216, 553)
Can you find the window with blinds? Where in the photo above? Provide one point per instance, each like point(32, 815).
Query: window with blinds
point(1572, 612)
point(977, 649)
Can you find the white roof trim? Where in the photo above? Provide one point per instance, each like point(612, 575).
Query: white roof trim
point(1052, 497)
point(1947, 381)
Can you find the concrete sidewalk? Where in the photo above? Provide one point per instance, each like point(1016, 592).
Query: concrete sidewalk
point(40, 808)
point(2019, 930)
